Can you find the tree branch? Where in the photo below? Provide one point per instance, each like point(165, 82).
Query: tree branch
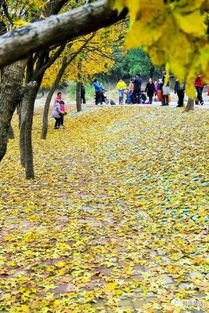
point(51, 60)
point(56, 29)
point(80, 49)
point(53, 7)
point(6, 12)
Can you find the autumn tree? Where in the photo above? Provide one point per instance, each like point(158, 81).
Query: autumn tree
point(14, 14)
point(54, 75)
point(163, 25)
point(46, 9)
point(132, 62)
point(80, 61)
point(160, 24)
point(36, 65)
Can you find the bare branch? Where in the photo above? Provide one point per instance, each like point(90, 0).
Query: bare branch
point(51, 60)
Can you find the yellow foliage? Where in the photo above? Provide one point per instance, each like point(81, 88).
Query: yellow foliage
point(173, 32)
point(94, 58)
point(20, 23)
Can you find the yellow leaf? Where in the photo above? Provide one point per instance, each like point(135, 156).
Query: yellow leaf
point(20, 23)
point(191, 23)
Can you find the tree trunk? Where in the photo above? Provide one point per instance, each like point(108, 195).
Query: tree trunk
point(78, 97)
point(22, 125)
point(10, 96)
point(11, 133)
point(190, 105)
point(33, 84)
point(49, 97)
point(26, 149)
point(19, 112)
point(29, 171)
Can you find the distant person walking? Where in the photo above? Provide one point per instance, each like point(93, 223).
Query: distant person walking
point(83, 94)
point(130, 90)
point(150, 90)
point(166, 93)
point(121, 87)
point(160, 90)
point(179, 89)
point(199, 88)
point(98, 91)
point(137, 82)
point(165, 89)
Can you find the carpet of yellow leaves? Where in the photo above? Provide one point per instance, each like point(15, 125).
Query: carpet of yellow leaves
point(119, 208)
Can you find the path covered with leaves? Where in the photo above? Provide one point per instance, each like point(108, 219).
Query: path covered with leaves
point(116, 220)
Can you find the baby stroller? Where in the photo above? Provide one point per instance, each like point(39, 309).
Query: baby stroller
point(103, 97)
point(139, 98)
point(142, 97)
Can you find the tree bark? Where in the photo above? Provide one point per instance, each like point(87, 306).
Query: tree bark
point(29, 170)
point(49, 97)
point(190, 105)
point(10, 96)
point(56, 29)
point(11, 132)
point(22, 126)
point(27, 109)
point(78, 97)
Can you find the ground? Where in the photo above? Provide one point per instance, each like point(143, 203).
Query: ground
point(116, 219)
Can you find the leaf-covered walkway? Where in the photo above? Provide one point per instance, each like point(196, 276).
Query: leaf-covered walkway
point(116, 220)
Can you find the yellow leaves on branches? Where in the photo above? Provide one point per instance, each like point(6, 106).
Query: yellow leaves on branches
point(172, 32)
point(95, 57)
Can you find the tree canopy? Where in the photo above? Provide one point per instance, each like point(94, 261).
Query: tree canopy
point(174, 33)
point(131, 63)
point(157, 25)
point(93, 54)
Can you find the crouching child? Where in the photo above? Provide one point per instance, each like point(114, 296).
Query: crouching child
point(56, 115)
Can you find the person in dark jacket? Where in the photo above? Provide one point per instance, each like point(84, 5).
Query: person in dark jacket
point(199, 85)
point(98, 91)
point(150, 90)
point(83, 94)
point(137, 82)
point(180, 90)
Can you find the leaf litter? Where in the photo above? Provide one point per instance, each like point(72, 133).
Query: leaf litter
point(116, 219)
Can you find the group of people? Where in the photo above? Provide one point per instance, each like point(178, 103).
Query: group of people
point(179, 89)
point(59, 111)
point(159, 90)
point(134, 94)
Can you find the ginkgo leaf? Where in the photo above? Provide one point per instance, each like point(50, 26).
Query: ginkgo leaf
point(193, 23)
point(20, 23)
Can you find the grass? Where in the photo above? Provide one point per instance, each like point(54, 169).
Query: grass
point(72, 91)
point(111, 93)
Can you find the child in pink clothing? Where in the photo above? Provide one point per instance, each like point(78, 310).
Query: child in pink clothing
point(62, 113)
